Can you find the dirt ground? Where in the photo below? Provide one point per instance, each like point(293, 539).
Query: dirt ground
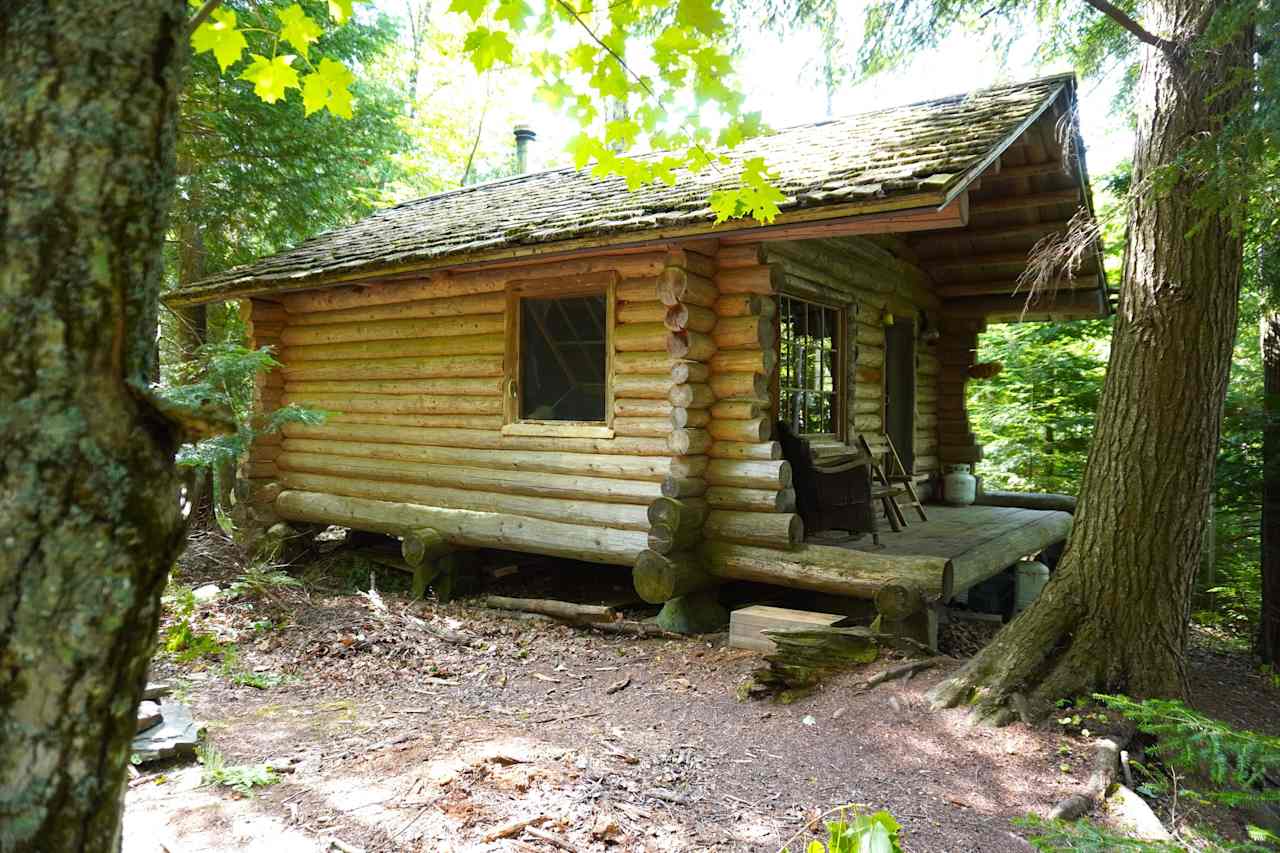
point(426, 727)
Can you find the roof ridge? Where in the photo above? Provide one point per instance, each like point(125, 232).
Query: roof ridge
point(497, 182)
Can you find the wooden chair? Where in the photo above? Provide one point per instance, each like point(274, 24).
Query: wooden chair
point(885, 491)
point(898, 473)
point(833, 489)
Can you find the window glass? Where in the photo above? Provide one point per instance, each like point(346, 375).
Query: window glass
point(562, 358)
point(809, 371)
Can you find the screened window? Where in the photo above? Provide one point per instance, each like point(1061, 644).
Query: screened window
point(809, 367)
point(562, 358)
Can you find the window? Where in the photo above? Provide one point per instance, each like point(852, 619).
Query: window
point(809, 382)
point(563, 358)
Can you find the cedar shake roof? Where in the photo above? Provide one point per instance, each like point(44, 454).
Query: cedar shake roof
point(914, 156)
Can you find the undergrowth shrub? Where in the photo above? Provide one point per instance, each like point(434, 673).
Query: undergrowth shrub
point(855, 832)
point(220, 377)
point(1233, 768)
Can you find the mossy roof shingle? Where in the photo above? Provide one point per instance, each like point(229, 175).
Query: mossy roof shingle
point(927, 147)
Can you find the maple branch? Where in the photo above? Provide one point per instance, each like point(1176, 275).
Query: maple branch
point(627, 68)
point(203, 15)
point(1142, 34)
point(611, 51)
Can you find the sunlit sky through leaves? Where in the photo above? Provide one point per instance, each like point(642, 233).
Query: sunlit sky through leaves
point(779, 77)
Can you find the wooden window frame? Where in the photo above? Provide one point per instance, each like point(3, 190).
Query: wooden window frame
point(840, 380)
point(551, 288)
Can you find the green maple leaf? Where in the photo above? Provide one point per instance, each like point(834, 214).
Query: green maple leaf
point(514, 12)
point(623, 131)
point(271, 77)
point(488, 47)
point(340, 10)
point(472, 8)
point(328, 88)
point(221, 36)
point(702, 15)
point(297, 29)
point(583, 149)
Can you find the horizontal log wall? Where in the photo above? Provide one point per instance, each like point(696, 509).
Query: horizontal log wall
point(749, 485)
point(412, 375)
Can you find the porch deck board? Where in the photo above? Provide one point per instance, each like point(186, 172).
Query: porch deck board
point(977, 541)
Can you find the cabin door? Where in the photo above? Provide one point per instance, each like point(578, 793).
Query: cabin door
point(900, 391)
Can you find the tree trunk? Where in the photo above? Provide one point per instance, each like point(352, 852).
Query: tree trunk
point(1269, 618)
point(1114, 617)
point(192, 322)
point(88, 490)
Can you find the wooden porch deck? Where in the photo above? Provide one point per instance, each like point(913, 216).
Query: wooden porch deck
point(976, 542)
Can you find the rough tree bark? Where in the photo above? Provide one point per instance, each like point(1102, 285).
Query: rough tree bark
point(1269, 619)
point(1114, 616)
point(89, 515)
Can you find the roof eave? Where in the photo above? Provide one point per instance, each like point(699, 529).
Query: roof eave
point(923, 205)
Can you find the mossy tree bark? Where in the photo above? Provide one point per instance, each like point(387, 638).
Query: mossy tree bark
point(1269, 619)
point(1114, 617)
point(89, 515)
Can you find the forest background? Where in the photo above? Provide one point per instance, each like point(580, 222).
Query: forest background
point(257, 177)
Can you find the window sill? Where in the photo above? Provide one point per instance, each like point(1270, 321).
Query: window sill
point(559, 430)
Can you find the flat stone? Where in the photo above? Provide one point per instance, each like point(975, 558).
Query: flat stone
point(148, 715)
point(206, 593)
point(176, 735)
point(156, 689)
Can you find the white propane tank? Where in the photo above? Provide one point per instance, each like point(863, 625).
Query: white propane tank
point(959, 487)
point(1029, 579)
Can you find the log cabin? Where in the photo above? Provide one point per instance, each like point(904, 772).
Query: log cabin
point(553, 364)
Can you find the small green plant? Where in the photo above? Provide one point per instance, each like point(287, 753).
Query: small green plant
point(1055, 836)
point(187, 644)
point(1235, 763)
point(242, 778)
point(855, 832)
point(220, 378)
point(258, 680)
point(261, 580)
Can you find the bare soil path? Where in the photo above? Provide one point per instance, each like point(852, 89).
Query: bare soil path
point(397, 739)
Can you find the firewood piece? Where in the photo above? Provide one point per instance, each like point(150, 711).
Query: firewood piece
point(566, 610)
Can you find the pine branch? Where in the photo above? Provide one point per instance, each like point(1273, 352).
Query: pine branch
point(1142, 34)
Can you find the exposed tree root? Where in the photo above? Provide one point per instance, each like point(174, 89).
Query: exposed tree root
point(1057, 648)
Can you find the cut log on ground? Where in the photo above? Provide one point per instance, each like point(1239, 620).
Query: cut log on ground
point(566, 610)
point(1106, 762)
point(806, 656)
